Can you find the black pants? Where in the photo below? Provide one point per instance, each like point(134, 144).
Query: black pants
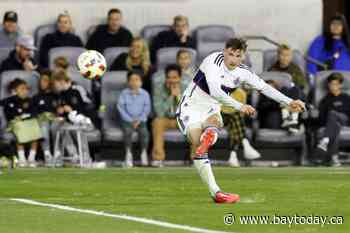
point(335, 121)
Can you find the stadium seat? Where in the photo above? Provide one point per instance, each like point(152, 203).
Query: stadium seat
point(320, 91)
point(210, 38)
point(112, 85)
point(150, 31)
point(6, 77)
point(71, 53)
point(277, 138)
point(270, 58)
point(166, 56)
point(78, 79)
point(4, 53)
point(112, 53)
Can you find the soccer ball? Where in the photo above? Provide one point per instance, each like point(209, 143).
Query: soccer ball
point(91, 64)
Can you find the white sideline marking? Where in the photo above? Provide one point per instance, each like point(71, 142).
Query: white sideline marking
point(123, 216)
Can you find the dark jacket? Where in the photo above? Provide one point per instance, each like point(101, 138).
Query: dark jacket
point(13, 63)
point(168, 39)
point(340, 103)
point(56, 39)
point(102, 39)
point(72, 98)
point(43, 102)
point(14, 106)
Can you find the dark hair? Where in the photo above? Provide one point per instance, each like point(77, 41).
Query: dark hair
point(46, 72)
point(134, 72)
point(114, 10)
point(15, 83)
point(181, 51)
point(172, 67)
point(345, 37)
point(236, 43)
point(335, 77)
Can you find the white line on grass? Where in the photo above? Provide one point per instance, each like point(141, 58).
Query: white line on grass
point(123, 216)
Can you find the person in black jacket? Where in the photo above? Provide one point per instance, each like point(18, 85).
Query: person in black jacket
point(112, 34)
point(63, 36)
point(178, 36)
point(44, 108)
point(18, 107)
point(334, 113)
point(21, 57)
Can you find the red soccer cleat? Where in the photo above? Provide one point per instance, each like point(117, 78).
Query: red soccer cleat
point(221, 197)
point(207, 140)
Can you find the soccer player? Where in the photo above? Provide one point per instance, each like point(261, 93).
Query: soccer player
point(198, 113)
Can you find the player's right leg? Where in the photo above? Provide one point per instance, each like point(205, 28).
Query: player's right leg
point(201, 140)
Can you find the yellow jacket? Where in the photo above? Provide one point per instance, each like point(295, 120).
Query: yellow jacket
point(239, 95)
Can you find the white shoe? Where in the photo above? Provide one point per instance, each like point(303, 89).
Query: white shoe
point(128, 159)
point(249, 152)
point(233, 160)
point(144, 158)
point(22, 162)
point(157, 163)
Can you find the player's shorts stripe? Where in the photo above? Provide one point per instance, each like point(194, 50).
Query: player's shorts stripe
point(201, 81)
point(181, 124)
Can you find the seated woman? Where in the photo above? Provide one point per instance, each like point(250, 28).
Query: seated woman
point(137, 58)
point(332, 47)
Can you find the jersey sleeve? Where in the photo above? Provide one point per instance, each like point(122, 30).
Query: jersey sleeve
point(211, 72)
point(259, 84)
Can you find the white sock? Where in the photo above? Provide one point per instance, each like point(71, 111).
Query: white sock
point(21, 156)
point(203, 167)
point(32, 154)
point(295, 116)
point(128, 156)
point(245, 142)
point(285, 113)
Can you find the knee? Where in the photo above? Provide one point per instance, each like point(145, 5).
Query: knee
point(158, 123)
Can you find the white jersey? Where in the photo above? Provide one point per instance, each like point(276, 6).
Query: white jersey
point(212, 85)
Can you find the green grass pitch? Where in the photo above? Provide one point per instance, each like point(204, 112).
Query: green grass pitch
point(173, 195)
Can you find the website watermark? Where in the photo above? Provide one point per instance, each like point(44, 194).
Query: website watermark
point(295, 219)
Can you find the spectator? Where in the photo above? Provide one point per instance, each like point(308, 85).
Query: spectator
point(60, 63)
point(285, 64)
point(165, 100)
point(274, 116)
point(21, 58)
point(178, 36)
point(136, 59)
point(63, 36)
point(45, 110)
point(235, 125)
point(184, 60)
point(9, 32)
point(334, 113)
point(70, 109)
point(112, 34)
point(134, 106)
point(332, 48)
point(22, 123)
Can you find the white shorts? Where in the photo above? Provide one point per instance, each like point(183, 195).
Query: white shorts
point(192, 113)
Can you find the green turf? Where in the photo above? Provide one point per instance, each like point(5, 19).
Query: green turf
point(174, 195)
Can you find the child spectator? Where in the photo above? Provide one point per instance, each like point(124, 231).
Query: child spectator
point(334, 113)
point(284, 64)
point(45, 111)
point(178, 36)
point(185, 61)
point(112, 34)
point(274, 116)
point(134, 106)
point(63, 36)
point(22, 122)
point(332, 47)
